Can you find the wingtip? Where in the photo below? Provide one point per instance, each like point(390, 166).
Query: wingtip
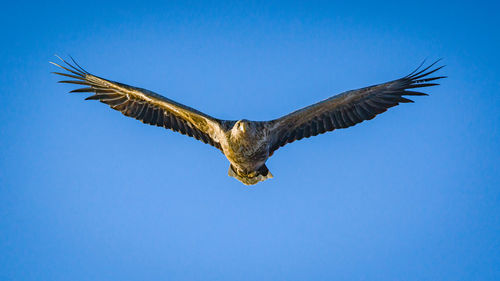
point(57, 56)
point(73, 69)
point(81, 68)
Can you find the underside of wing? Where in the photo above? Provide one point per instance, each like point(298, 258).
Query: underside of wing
point(144, 105)
point(349, 108)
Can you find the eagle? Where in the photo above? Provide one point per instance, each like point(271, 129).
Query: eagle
point(248, 144)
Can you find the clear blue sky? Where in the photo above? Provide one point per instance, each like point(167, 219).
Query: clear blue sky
point(87, 194)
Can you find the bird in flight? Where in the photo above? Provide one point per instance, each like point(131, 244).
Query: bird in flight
point(248, 144)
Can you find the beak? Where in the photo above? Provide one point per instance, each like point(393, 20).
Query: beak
point(243, 127)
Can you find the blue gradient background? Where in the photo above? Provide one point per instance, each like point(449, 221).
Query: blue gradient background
point(87, 194)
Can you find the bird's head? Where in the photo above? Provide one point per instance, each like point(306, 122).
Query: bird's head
point(242, 127)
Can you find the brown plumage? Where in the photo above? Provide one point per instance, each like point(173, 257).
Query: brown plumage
point(248, 144)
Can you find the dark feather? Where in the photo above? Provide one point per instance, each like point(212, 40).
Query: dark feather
point(83, 90)
point(68, 75)
point(74, 82)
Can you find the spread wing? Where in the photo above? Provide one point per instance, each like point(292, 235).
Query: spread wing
point(349, 108)
point(146, 106)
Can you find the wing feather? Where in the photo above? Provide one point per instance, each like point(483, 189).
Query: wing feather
point(144, 105)
point(349, 108)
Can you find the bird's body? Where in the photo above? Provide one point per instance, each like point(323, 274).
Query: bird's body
point(247, 149)
point(248, 144)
